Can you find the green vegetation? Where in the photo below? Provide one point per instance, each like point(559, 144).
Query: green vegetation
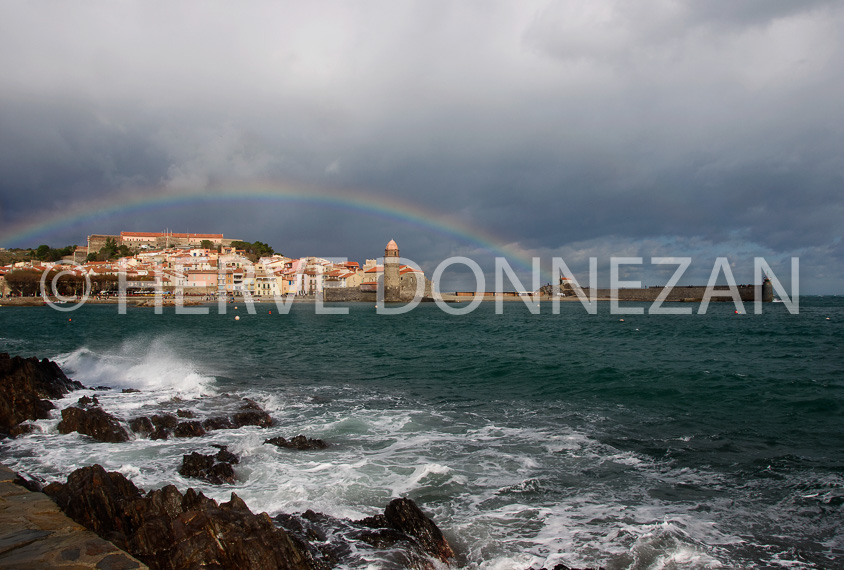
point(110, 251)
point(254, 250)
point(46, 253)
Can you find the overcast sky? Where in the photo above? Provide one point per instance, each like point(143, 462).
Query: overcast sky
point(568, 128)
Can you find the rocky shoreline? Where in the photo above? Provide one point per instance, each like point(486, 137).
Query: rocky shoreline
point(168, 528)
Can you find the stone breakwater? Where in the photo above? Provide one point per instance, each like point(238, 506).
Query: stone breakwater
point(168, 528)
point(34, 533)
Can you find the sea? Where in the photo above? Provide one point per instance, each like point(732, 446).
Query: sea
point(628, 441)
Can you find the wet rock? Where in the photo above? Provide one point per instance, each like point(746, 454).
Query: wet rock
point(29, 484)
point(251, 414)
point(404, 539)
point(27, 385)
point(164, 424)
point(168, 529)
point(217, 423)
point(323, 536)
point(86, 401)
point(95, 422)
point(160, 433)
point(250, 404)
point(127, 390)
point(225, 455)
point(404, 516)
point(185, 414)
point(299, 442)
point(188, 429)
point(21, 429)
point(142, 425)
point(216, 469)
point(168, 421)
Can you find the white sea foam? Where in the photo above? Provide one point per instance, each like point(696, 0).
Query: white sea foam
point(495, 488)
point(140, 364)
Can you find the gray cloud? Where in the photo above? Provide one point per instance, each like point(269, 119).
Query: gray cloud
point(550, 125)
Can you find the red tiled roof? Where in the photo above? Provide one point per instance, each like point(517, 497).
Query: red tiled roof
point(164, 234)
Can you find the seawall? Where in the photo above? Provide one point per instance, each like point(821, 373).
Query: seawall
point(34, 533)
point(690, 294)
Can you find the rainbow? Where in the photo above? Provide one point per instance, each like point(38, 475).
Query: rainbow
point(86, 215)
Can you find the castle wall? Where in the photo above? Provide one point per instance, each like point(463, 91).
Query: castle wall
point(96, 242)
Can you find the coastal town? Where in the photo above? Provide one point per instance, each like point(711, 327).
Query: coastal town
point(200, 265)
point(210, 267)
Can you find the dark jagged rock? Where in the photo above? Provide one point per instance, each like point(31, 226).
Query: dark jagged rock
point(321, 534)
point(216, 469)
point(250, 404)
point(26, 384)
point(168, 421)
point(166, 529)
point(217, 423)
point(160, 433)
point(299, 442)
point(99, 501)
point(128, 390)
point(164, 424)
point(21, 429)
point(225, 455)
point(29, 484)
point(251, 414)
point(189, 429)
point(85, 401)
point(142, 425)
point(404, 539)
point(185, 414)
point(94, 422)
point(404, 516)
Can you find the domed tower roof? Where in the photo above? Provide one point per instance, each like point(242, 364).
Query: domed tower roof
point(392, 251)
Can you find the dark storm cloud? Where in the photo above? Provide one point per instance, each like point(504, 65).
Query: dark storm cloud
point(557, 126)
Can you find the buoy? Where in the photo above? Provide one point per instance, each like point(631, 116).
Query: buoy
point(271, 312)
point(235, 307)
point(237, 318)
point(72, 319)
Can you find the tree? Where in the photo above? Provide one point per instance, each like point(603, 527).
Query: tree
point(206, 244)
point(24, 282)
point(253, 250)
point(110, 251)
point(46, 253)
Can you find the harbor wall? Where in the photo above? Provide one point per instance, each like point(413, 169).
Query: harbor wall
point(688, 294)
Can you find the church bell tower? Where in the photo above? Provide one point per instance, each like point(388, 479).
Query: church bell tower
point(392, 278)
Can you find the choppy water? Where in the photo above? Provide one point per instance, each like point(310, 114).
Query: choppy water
point(702, 441)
